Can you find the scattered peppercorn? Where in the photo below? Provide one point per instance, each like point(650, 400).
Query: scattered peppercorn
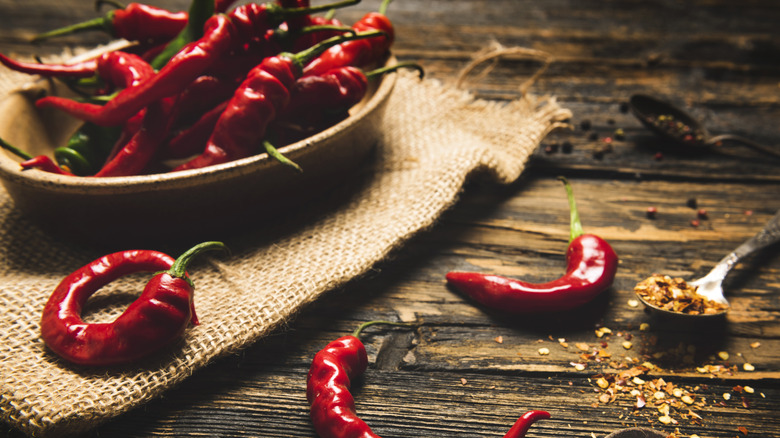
point(651, 212)
point(593, 136)
point(676, 128)
point(624, 107)
point(610, 121)
point(702, 213)
point(658, 156)
point(585, 125)
point(691, 202)
point(567, 147)
point(620, 134)
point(695, 223)
point(551, 148)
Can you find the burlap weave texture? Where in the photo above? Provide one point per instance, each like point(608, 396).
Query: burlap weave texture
point(434, 137)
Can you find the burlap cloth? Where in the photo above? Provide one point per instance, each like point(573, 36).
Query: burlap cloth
point(434, 137)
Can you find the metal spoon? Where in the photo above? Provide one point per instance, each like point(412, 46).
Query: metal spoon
point(710, 286)
point(676, 125)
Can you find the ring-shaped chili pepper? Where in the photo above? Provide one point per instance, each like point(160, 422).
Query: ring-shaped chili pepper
point(590, 270)
point(328, 384)
point(154, 320)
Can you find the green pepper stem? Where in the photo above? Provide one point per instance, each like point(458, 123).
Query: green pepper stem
point(383, 7)
point(179, 268)
point(360, 328)
point(576, 226)
point(382, 70)
point(101, 23)
point(197, 15)
point(16, 151)
point(278, 156)
point(286, 12)
point(305, 56)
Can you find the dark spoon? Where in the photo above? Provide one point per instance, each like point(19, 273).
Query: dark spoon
point(674, 124)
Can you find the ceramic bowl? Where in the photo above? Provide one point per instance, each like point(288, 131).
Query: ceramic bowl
point(197, 203)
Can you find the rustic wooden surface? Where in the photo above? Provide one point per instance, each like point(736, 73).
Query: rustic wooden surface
point(469, 372)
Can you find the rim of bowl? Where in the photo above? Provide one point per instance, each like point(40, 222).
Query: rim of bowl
point(10, 170)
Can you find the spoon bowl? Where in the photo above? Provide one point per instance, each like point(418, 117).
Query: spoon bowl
point(711, 285)
point(684, 132)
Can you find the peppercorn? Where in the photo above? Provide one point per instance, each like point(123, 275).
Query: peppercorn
point(651, 212)
point(702, 213)
point(567, 147)
point(691, 202)
point(585, 125)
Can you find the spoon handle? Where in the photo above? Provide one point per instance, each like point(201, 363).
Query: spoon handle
point(747, 142)
point(767, 236)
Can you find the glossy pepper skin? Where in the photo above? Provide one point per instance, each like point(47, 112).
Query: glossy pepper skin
point(591, 265)
point(328, 385)
point(156, 319)
point(359, 53)
point(256, 103)
point(136, 22)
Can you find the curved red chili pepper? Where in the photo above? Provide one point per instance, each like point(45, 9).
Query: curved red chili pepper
point(154, 320)
point(44, 163)
point(137, 153)
point(136, 22)
point(328, 384)
point(194, 138)
point(83, 69)
point(359, 53)
point(122, 69)
point(590, 270)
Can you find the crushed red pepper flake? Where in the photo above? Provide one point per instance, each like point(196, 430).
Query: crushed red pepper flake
point(676, 295)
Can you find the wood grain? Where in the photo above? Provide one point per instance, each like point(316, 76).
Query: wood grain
point(465, 371)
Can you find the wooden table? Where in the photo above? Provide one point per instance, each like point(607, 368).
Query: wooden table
point(469, 372)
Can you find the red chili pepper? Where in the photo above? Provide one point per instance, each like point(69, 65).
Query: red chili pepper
point(136, 22)
point(262, 95)
point(134, 156)
point(317, 102)
point(358, 53)
point(194, 138)
point(83, 69)
point(156, 319)
point(590, 269)
point(44, 163)
point(122, 69)
point(328, 384)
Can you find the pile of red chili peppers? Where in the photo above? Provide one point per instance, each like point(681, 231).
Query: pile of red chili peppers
point(209, 85)
point(332, 405)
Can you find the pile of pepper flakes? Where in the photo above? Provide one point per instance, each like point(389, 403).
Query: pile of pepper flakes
point(676, 295)
point(631, 381)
